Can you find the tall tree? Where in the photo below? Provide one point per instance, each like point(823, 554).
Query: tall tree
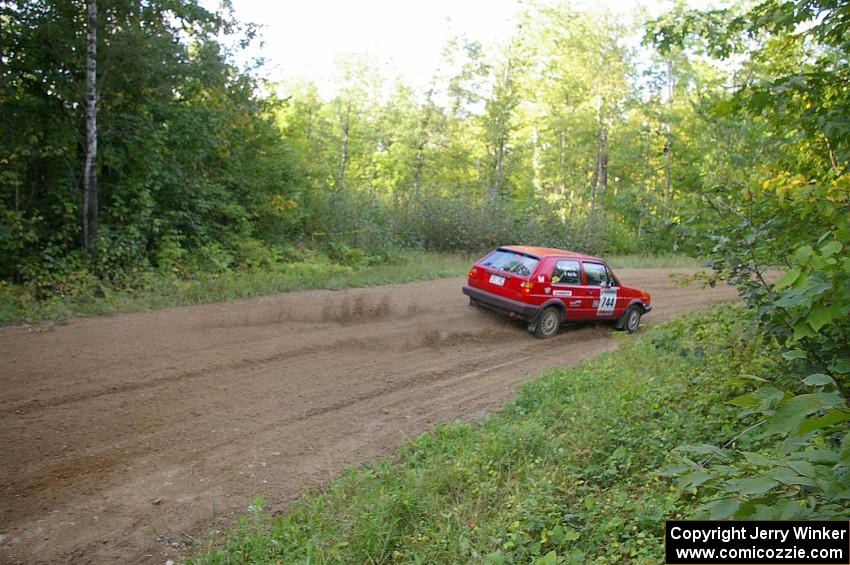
point(90, 165)
point(668, 132)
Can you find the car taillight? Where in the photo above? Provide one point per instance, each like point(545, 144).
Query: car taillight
point(473, 272)
point(526, 286)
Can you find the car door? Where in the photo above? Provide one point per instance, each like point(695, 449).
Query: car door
point(566, 286)
point(599, 297)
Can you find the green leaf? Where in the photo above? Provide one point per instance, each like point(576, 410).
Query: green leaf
point(789, 278)
point(826, 456)
point(803, 254)
point(832, 417)
point(673, 470)
point(818, 379)
point(802, 330)
point(589, 502)
point(723, 508)
point(752, 487)
point(550, 558)
point(819, 317)
point(790, 415)
point(769, 396)
point(557, 534)
point(793, 355)
point(693, 479)
point(704, 449)
point(745, 401)
point(619, 453)
point(831, 248)
point(840, 366)
point(757, 459)
point(571, 535)
point(804, 468)
point(788, 477)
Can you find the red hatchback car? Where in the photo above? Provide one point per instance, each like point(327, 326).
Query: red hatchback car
point(547, 287)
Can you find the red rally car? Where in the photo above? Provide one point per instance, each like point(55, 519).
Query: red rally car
point(547, 287)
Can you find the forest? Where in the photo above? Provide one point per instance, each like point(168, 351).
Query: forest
point(572, 133)
point(136, 148)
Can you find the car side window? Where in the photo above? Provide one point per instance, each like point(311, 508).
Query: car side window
point(597, 274)
point(566, 272)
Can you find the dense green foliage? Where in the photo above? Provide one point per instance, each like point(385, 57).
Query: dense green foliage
point(202, 170)
point(189, 159)
point(566, 473)
point(789, 206)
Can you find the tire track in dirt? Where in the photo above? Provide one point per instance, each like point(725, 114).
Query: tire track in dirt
point(125, 436)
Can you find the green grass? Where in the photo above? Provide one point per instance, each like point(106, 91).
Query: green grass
point(566, 473)
point(153, 289)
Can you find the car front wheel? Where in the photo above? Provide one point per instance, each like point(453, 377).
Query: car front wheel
point(548, 323)
point(631, 319)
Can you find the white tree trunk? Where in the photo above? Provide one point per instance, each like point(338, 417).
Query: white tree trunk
point(345, 125)
point(669, 131)
point(89, 171)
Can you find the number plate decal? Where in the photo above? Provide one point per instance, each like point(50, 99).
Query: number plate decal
point(497, 280)
point(607, 301)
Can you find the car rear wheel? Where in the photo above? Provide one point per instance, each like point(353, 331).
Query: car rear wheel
point(548, 323)
point(631, 319)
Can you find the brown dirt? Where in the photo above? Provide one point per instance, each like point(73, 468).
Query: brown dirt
point(125, 438)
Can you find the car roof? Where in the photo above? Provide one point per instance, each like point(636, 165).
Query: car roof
point(549, 252)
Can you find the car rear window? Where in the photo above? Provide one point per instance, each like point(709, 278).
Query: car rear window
point(511, 262)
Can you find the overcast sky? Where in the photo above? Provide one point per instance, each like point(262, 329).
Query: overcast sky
point(304, 38)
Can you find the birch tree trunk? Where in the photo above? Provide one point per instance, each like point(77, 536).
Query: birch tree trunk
point(89, 171)
point(345, 125)
point(421, 143)
point(602, 160)
point(500, 158)
point(503, 125)
point(668, 128)
point(599, 182)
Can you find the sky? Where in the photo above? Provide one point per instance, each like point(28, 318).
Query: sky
point(305, 39)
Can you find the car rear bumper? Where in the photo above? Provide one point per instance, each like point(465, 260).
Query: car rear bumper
point(500, 303)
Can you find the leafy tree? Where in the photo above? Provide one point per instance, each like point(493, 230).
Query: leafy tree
point(789, 207)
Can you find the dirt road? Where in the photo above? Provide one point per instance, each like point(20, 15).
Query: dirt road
point(122, 438)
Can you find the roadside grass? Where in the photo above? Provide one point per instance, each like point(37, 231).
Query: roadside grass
point(566, 473)
point(155, 289)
